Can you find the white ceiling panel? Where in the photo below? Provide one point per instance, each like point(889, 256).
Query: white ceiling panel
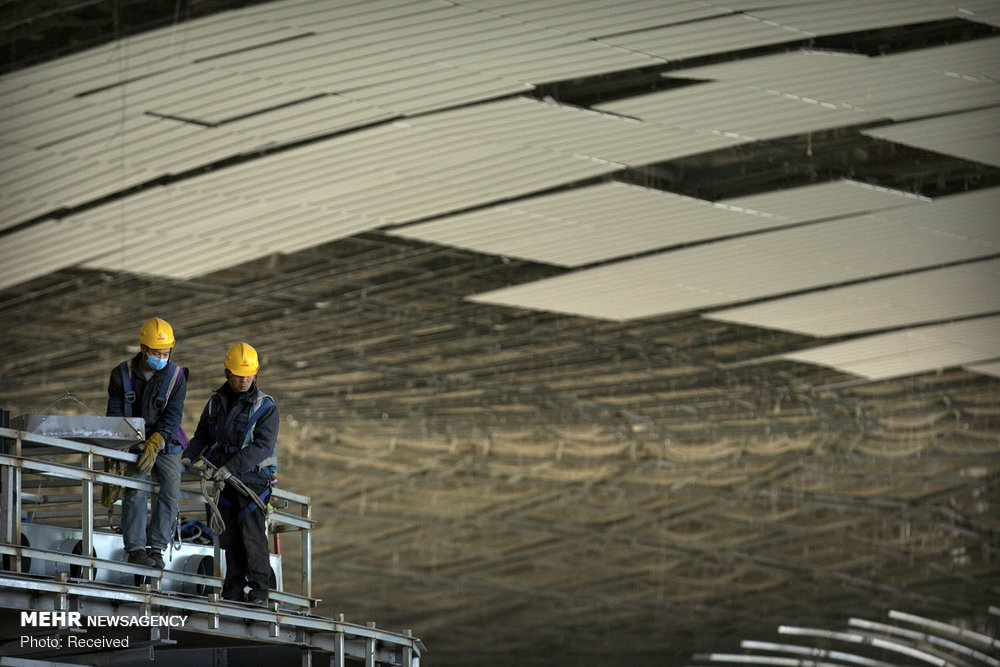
point(287, 71)
point(311, 118)
point(53, 245)
point(978, 59)
point(358, 16)
point(486, 44)
point(700, 38)
point(772, 263)
point(889, 86)
point(595, 18)
point(264, 228)
point(940, 294)
point(745, 113)
point(972, 136)
point(825, 200)
point(988, 368)
point(840, 16)
point(149, 52)
point(263, 80)
point(318, 193)
point(983, 11)
point(911, 351)
point(572, 130)
point(49, 118)
point(200, 93)
point(590, 224)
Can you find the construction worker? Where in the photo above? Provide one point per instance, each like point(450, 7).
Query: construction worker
point(153, 387)
point(237, 435)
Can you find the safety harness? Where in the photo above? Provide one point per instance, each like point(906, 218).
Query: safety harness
point(112, 493)
point(269, 466)
point(166, 390)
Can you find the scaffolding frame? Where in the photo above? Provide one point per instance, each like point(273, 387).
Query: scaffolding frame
point(316, 637)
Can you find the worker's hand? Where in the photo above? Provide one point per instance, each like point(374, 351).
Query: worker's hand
point(149, 449)
point(222, 474)
point(186, 462)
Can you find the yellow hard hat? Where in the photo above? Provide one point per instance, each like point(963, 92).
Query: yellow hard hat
point(157, 334)
point(242, 360)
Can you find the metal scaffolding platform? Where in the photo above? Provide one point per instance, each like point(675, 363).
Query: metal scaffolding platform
point(67, 596)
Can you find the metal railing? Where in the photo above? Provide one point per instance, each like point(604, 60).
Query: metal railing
point(52, 463)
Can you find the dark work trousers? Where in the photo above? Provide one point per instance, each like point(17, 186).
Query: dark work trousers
point(245, 543)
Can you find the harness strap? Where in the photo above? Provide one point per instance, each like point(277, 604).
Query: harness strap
point(262, 400)
point(251, 507)
point(166, 391)
point(129, 390)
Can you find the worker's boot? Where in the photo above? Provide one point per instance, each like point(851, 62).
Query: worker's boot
point(156, 556)
point(140, 557)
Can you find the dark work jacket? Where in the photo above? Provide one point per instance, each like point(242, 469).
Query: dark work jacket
point(224, 421)
point(167, 421)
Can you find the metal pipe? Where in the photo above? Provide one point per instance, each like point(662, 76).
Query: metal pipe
point(307, 553)
point(87, 515)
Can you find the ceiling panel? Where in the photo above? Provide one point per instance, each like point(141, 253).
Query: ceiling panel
point(941, 294)
point(700, 38)
point(825, 200)
point(911, 351)
point(732, 110)
point(195, 231)
point(587, 225)
point(895, 86)
point(971, 136)
point(595, 18)
point(841, 16)
point(53, 245)
point(308, 119)
point(572, 130)
point(477, 42)
point(293, 199)
point(771, 263)
point(974, 59)
point(989, 368)
point(150, 52)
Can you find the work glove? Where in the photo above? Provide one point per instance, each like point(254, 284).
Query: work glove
point(149, 449)
point(222, 474)
point(110, 493)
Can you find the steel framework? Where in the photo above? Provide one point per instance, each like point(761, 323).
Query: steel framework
point(82, 570)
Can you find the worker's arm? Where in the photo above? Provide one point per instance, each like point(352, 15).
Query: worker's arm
point(116, 394)
point(202, 438)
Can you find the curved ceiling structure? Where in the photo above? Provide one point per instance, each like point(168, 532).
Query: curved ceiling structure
point(652, 332)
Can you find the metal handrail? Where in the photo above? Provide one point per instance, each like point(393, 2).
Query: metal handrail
point(15, 461)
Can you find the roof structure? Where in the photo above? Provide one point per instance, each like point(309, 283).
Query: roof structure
point(647, 331)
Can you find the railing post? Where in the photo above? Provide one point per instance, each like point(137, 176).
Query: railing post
point(6, 487)
point(87, 515)
point(11, 499)
point(307, 553)
point(339, 644)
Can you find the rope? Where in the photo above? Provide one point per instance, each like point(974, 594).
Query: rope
point(215, 521)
